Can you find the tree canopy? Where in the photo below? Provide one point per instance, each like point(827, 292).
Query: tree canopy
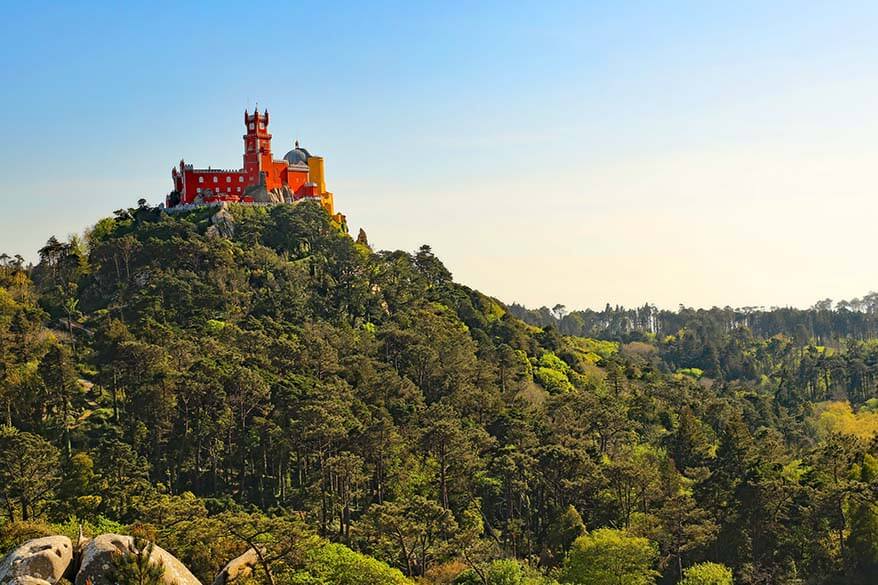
point(360, 417)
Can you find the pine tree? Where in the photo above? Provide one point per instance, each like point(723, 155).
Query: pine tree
point(862, 549)
point(136, 567)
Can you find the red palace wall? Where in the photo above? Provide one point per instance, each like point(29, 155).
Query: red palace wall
point(230, 184)
point(226, 181)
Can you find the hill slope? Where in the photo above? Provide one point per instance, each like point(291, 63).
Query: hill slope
point(262, 370)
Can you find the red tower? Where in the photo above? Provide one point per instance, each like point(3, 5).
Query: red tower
point(257, 148)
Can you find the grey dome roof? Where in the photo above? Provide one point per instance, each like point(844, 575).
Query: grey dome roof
point(297, 156)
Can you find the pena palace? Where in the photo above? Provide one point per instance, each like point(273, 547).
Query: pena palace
point(263, 179)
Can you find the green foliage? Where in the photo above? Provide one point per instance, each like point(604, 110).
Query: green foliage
point(695, 373)
point(503, 572)
point(594, 350)
point(607, 556)
point(707, 574)
point(552, 379)
point(14, 534)
point(562, 533)
point(28, 471)
point(839, 417)
point(194, 390)
point(90, 527)
point(136, 567)
point(338, 565)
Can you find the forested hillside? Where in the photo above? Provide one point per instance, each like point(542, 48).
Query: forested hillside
point(261, 378)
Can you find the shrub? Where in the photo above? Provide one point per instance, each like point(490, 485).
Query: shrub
point(610, 556)
point(707, 574)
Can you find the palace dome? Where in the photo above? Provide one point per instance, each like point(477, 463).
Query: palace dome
point(297, 156)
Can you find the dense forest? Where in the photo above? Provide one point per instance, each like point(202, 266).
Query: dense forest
point(212, 381)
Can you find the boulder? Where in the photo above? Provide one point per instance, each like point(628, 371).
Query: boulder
point(222, 223)
point(238, 568)
point(98, 554)
point(28, 580)
point(42, 559)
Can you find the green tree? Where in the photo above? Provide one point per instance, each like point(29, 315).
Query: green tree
point(689, 444)
point(28, 472)
point(59, 377)
point(610, 557)
point(136, 567)
point(683, 529)
point(563, 531)
point(277, 540)
point(707, 574)
point(339, 565)
point(862, 541)
point(410, 531)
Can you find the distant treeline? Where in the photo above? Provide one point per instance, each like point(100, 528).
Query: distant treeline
point(822, 324)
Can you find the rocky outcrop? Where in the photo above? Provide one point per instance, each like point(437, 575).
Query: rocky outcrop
point(222, 223)
point(38, 561)
point(44, 561)
point(238, 568)
point(363, 239)
point(286, 194)
point(262, 195)
point(98, 554)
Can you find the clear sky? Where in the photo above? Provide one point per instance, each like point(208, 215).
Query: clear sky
point(704, 153)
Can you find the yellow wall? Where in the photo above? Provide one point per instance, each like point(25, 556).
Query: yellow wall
point(328, 203)
point(316, 176)
point(315, 173)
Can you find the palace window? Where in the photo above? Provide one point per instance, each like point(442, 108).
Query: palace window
point(199, 190)
point(228, 179)
point(215, 180)
point(252, 126)
point(200, 179)
point(239, 189)
point(240, 179)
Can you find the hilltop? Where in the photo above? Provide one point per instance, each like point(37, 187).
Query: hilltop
point(251, 375)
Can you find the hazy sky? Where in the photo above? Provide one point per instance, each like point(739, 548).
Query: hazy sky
point(704, 153)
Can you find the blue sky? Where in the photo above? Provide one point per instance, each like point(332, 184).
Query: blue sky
point(705, 153)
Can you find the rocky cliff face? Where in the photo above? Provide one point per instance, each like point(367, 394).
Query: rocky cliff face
point(44, 561)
